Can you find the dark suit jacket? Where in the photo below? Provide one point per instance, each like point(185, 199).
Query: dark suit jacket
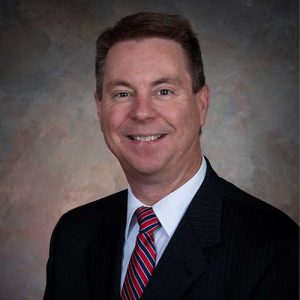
point(229, 245)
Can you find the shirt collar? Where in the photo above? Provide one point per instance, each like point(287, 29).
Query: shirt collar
point(170, 209)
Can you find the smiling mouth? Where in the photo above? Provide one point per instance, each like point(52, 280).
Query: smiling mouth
point(147, 138)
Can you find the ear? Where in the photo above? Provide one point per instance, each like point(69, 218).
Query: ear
point(98, 101)
point(203, 103)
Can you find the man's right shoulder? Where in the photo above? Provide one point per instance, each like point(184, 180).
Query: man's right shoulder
point(112, 206)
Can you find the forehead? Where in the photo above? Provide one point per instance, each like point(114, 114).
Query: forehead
point(161, 44)
point(145, 57)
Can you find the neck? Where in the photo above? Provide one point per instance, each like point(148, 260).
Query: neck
point(151, 190)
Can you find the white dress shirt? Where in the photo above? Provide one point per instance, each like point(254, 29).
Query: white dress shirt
point(169, 211)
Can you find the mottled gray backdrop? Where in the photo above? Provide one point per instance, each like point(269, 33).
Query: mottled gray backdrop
point(52, 155)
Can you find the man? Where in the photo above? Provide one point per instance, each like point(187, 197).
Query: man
point(179, 231)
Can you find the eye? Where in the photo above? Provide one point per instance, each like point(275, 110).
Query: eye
point(121, 95)
point(165, 92)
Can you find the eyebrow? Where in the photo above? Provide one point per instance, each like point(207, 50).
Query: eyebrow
point(115, 83)
point(163, 80)
point(159, 81)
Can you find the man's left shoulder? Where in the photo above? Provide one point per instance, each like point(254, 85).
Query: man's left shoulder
point(252, 216)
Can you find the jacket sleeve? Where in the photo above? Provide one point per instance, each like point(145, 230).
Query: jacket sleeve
point(50, 269)
point(281, 279)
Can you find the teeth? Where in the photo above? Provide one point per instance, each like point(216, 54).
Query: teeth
point(148, 138)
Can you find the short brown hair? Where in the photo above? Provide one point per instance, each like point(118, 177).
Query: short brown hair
point(145, 25)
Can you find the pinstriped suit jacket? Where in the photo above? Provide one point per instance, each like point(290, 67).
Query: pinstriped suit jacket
point(229, 245)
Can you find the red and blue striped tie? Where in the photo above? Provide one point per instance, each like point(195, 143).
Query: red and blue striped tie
point(142, 261)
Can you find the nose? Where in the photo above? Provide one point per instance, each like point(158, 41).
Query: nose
point(143, 108)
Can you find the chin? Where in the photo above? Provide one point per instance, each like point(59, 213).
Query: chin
point(144, 169)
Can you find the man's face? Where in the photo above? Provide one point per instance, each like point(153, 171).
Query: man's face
point(148, 113)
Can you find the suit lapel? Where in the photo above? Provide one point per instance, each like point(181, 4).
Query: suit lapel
point(118, 233)
point(105, 253)
point(183, 260)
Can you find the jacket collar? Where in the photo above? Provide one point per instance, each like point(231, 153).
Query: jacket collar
point(183, 260)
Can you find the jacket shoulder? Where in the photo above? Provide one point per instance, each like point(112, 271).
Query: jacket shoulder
point(98, 206)
point(90, 215)
point(256, 217)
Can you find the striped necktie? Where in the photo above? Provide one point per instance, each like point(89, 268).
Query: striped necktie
point(142, 261)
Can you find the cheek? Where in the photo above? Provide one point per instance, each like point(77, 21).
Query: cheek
point(190, 121)
point(186, 114)
point(193, 112)
point(111, 120)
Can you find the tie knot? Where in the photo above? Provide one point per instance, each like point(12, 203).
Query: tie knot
point(147, 220)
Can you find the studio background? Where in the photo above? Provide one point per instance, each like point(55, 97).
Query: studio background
point(52, 154)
